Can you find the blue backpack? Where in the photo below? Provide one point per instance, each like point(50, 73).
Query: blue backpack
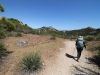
point(80, 43)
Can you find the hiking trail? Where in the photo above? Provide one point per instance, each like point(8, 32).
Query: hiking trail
point(64, 64)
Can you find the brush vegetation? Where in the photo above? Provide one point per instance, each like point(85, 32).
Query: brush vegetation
point(31, 61)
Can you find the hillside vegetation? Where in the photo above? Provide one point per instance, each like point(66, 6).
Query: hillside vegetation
point(7, 25)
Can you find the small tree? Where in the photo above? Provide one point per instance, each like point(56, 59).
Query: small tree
point(2, 8)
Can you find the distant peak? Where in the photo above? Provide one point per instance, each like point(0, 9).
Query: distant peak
point(48, 28)
point(90, 27)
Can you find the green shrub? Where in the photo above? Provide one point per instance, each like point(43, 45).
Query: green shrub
point(18, 35)
point(2, 49)
point(89, 38)
point(3, 18)
point(53, 38)
point(96, 47)
point(97, 38)
point(31, 61)
point(10, 25)
point(2, 35)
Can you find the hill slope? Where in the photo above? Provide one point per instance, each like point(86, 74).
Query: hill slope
point(10, 24)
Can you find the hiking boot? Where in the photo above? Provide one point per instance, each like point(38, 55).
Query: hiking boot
point(77, 60)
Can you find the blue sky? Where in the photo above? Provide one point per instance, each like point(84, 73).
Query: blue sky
point(60, 14)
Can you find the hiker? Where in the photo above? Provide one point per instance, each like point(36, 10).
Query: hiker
point(79, 46)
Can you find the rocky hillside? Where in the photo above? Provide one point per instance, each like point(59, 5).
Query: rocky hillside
point(10, 24)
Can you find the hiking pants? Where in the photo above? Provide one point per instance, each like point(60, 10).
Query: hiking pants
point(79, 50)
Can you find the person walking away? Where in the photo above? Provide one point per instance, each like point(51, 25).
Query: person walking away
point(80, 44)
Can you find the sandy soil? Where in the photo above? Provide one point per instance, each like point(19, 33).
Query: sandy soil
point(64, 64)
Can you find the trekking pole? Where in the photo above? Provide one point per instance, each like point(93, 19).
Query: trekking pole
point(73, 51)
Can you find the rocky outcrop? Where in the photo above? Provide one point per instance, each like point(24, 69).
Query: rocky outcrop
point(47, 28)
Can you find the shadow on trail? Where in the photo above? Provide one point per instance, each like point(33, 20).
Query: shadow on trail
point(70, 56)
point(95, 60)
point(80, 70)
point(73, 57)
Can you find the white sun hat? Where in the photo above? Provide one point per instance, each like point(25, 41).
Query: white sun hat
point(80, 36)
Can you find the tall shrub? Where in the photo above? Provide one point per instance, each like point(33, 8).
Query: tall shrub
point(98, 37)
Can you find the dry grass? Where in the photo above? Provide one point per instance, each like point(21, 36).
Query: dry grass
point(48, 50)
point(90, 45)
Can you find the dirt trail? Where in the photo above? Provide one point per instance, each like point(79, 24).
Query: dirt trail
point(64, 64)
